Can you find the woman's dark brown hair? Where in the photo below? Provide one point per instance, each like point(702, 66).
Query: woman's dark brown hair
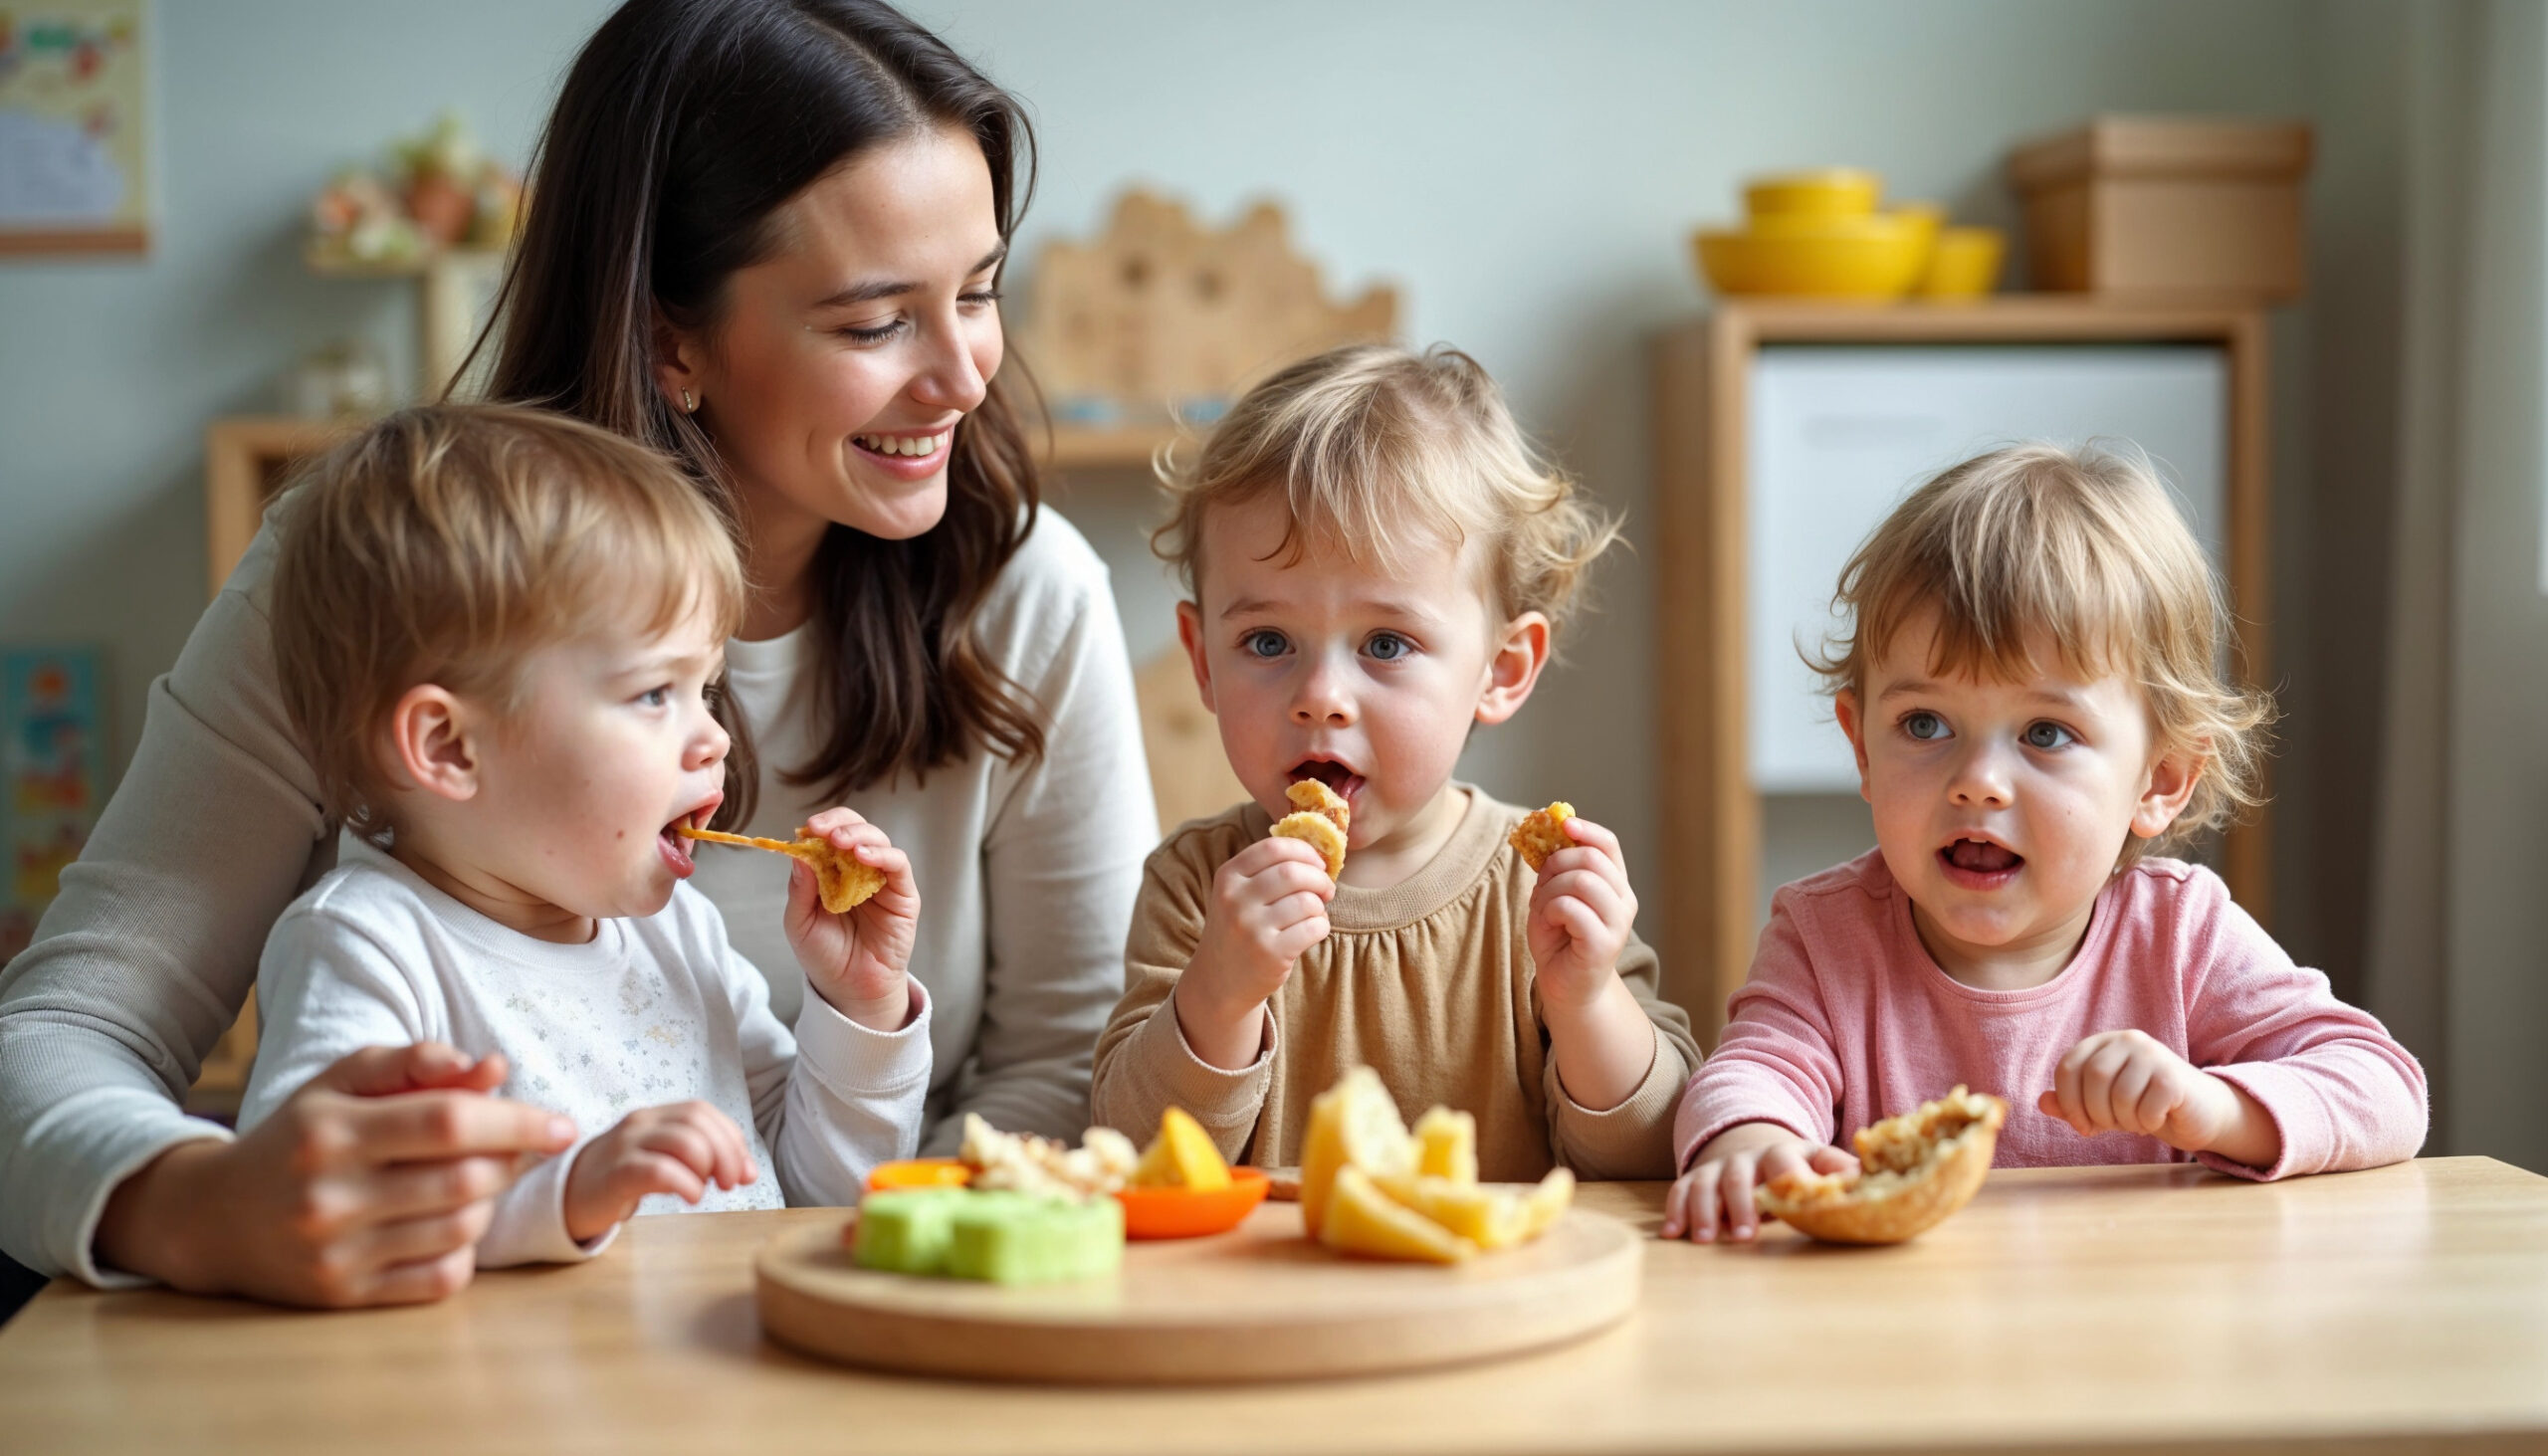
point(683, 128)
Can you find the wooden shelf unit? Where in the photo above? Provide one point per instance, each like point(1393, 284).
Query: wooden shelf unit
point(1711, 811)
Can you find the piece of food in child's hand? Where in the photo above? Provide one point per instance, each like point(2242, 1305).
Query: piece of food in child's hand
point(1321, 821)
point(1447, 1145)
point(843, 883)
point(1183, 1156)
point(1913, 1171)
point(1354, 1124)
point(1542, 833)
point(1026, 1238)
point(906, 1232)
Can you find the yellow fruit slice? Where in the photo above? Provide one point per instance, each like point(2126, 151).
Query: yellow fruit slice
point(1491, 1218)
point(1182, 1157)
point(1447, 1146)
point(1546, 1204)
point(1360, 1219)
point(1353, 1124)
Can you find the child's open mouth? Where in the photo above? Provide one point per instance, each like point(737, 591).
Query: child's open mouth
point(674, 849)
point(1978, 864)
point(1339, 777)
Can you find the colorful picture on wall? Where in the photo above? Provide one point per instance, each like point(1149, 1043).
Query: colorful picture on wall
point(74, 136)
point(53, 777)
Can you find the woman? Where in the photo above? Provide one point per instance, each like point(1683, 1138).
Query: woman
point(767, 238)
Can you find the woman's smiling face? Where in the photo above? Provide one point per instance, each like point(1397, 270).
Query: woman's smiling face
point(838, 367)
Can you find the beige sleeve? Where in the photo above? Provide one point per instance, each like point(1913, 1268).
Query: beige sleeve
point(1634, 1139)
point(1144, 1066)
point(143, 960)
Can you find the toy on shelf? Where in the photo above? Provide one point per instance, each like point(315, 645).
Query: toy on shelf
point(1161, 319)
point(440, 192)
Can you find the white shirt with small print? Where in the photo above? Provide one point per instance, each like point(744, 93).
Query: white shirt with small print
point(649, 1011)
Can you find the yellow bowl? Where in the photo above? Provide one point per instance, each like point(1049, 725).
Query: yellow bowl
point(1965, 264)
point(1822, 192)
point(1817, 258)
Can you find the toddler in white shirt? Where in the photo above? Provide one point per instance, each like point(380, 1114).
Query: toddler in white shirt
point(495, 630)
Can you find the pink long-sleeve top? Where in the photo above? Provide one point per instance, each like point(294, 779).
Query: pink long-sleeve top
point(1846, 1020)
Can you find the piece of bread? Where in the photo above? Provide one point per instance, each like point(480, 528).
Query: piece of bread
point(1913, 1171)
point(1542, 833)
point(840, 879)
point(1321, 821)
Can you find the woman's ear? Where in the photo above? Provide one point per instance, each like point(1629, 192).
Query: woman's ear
point(1514, 669)
point(681, 366)
point(2171, 786)
point(432, 745)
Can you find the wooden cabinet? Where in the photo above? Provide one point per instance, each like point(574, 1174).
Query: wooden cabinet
point(1785, 430)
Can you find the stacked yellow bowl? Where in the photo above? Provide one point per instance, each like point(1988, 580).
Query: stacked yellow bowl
point(1819, 235)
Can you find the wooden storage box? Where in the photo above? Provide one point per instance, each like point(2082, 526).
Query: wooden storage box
point(2154, 205)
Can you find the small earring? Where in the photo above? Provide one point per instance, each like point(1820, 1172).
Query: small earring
point(688, 406)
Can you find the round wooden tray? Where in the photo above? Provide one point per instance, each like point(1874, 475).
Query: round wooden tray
point(1260, 1303)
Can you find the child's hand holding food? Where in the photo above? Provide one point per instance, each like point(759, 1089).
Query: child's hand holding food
point(680, 1148)
point(1717, 1192)
point(860, 959)
point(1581, 913)
point(1268, 905)
point(2129, 1082)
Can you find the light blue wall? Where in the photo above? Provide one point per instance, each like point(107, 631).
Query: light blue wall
point(1527, 174)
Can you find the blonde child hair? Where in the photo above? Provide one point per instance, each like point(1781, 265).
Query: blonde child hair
point(447, 545)
point(1373, 445)
point(2087, 547)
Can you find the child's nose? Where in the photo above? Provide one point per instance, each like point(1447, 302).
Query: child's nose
point(1322, 698)
point(1981, 780)
point(708, 746)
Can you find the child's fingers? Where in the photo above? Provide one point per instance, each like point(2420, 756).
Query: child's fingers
point(1294, 909)
point(1825, 1159)
point(2158, 1102)
point(2132, 1084)
point(1676, 1217)
point(725, 1142)
point(2068, 1102)
point(830, 823)
point(1734, 1191)
point(2096, 1083)
point(1274, 849)
point(1291, 877)
point(1707, 1187)
point(1594, 836)
point(1577, 919)
point(643, 1173)
point(683, 1141)
point(1604, 899)
point(1295, 939)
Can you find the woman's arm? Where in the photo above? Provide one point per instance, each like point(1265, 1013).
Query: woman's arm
point(1061, 864)
point(141, 965)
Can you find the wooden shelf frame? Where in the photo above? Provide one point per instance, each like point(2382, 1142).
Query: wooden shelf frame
point(1711, 838)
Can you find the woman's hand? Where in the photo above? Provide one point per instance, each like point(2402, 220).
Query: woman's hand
point(1268, 906)
point(678, 1149)
point(372, 1186)
point(859, 961)
point(2130, 1082)
point(1717, 1190)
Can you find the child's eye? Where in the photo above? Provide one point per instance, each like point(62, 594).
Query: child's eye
point(2048, 735)
point(1265, 642)
point(1928, 728)
point(1387, 647)
point(656, 697)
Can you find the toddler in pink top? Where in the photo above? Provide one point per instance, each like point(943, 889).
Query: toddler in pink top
point(2030, 680)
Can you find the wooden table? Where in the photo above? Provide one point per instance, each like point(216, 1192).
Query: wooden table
point(2107, 1309)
